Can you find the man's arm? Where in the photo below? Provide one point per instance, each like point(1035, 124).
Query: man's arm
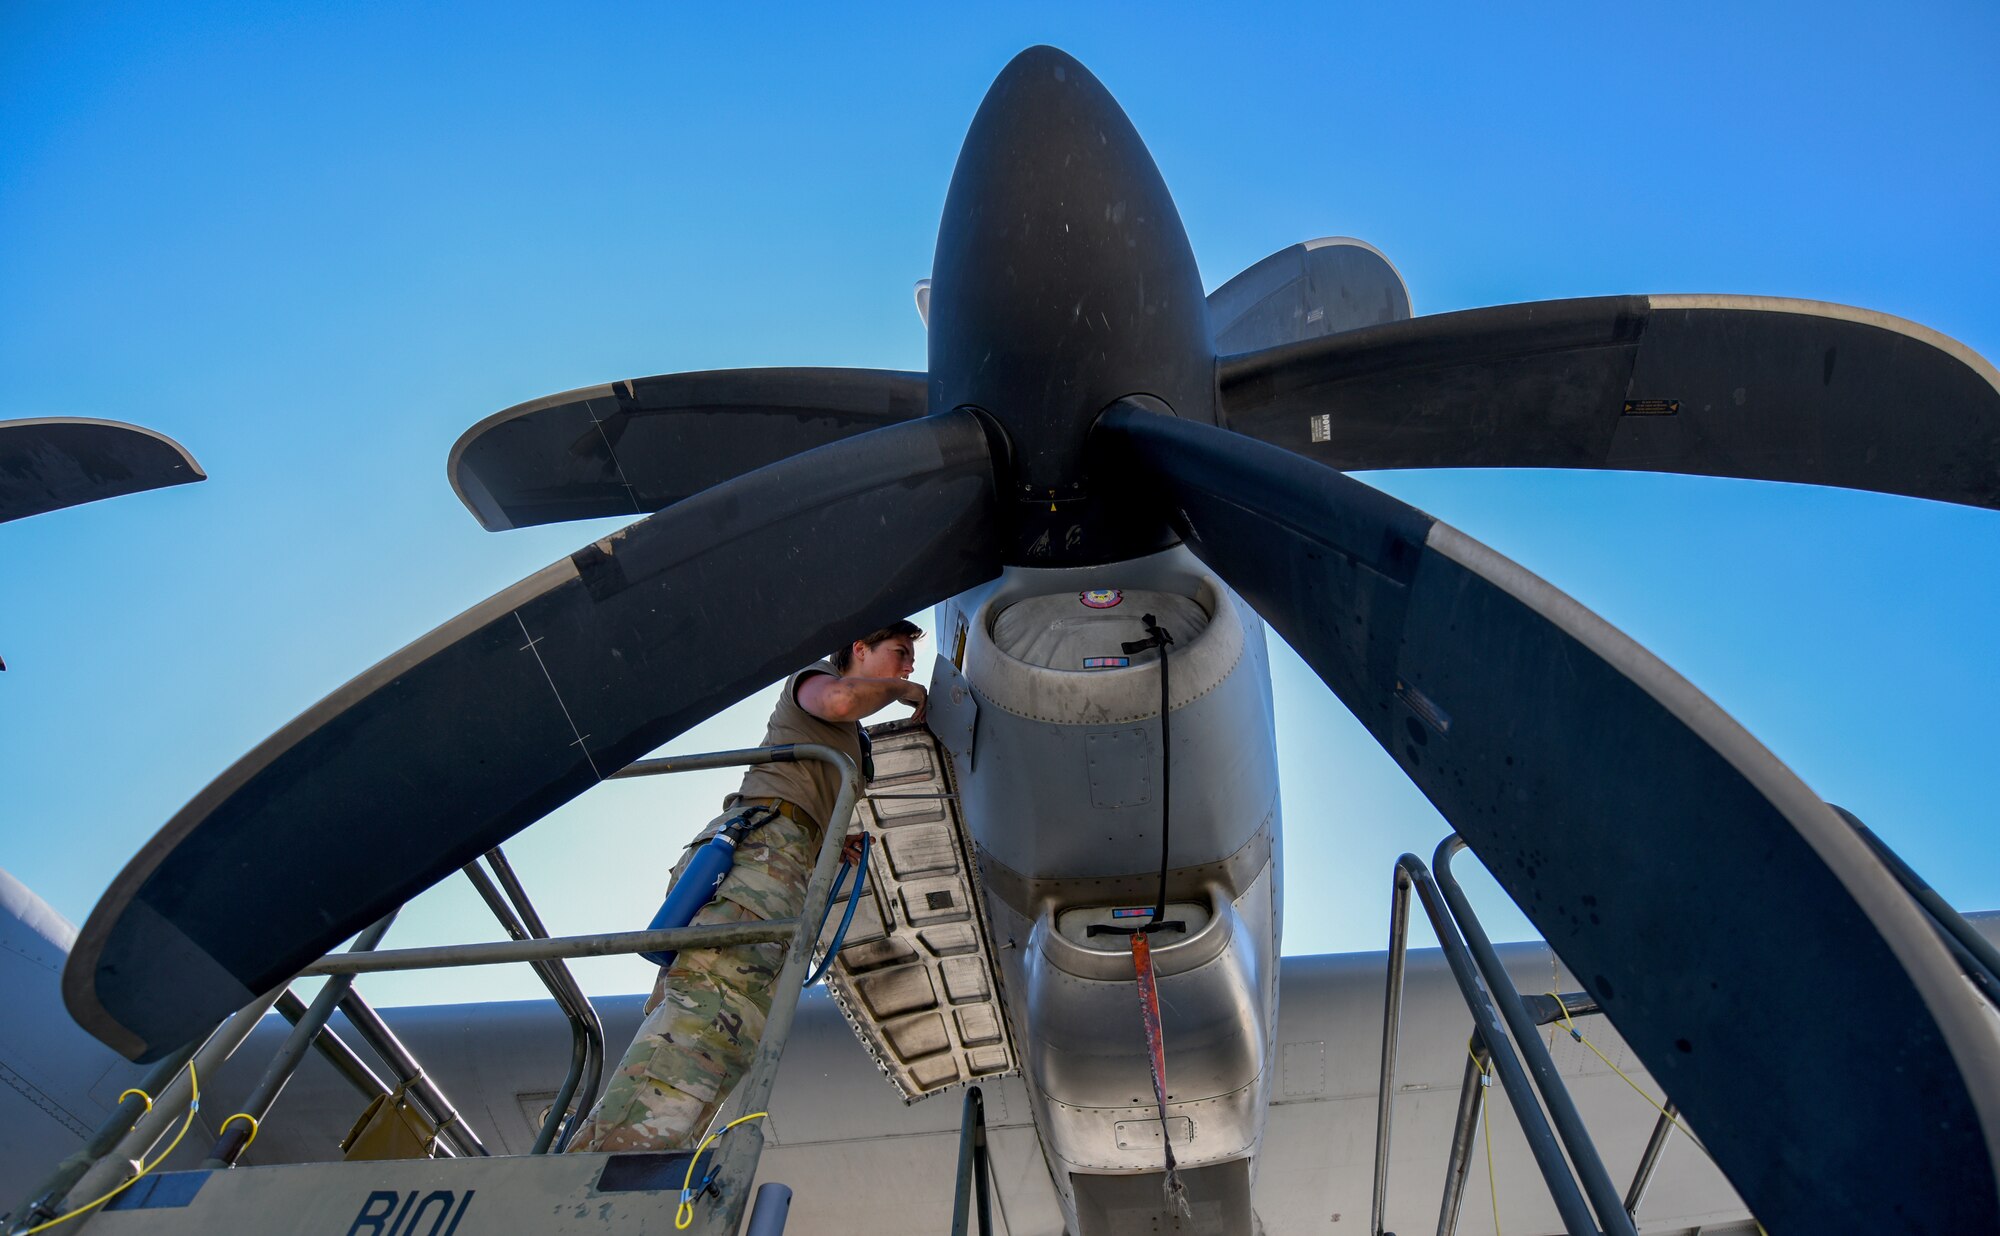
point(850, 699)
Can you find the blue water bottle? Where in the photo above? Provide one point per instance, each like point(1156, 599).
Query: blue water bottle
point(703, 875)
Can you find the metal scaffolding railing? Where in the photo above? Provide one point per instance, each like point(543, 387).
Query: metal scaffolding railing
point(974, 1195)
point(1571, 1166)
point(134, 1127)
point(1482, 980)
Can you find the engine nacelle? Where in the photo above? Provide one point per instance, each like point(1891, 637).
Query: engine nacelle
point(1054, 727)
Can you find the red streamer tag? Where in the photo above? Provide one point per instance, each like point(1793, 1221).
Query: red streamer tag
point(1156, 1044)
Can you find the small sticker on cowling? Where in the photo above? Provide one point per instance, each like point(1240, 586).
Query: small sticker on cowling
point(1100, 598)
point(1106, 662)
point(1651, 407)
point(1321, 427)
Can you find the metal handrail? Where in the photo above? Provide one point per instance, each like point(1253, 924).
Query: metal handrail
point(499, 952)
point(424, 1090)
point(1411, 874)
point(132, 1125)
point(1392, 1023)
point(583, 1010)
point(170, 1102)
point(974, 1171)
point(1588, 1164)
point(232, 1142)
point(1663, 1128)
point(1976, 954)
point(335, 1051)
point(742, 1147)
point(586, 1035)
point(1472, 1099)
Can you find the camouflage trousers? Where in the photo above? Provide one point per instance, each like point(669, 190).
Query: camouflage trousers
point(707, 1010)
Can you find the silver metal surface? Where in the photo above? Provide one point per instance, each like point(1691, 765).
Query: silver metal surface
point(1472, 1090)
point(1392, 1021)
point(1084, 1047)
point(953, 714)
point(1033, 800)
point(1065, 801)
point(1649, 1162)
point(773, 1205)
point(917, 979)
point(1024, 895)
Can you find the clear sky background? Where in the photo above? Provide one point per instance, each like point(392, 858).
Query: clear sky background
point(314, 243)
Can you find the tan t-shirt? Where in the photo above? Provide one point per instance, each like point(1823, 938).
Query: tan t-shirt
point(813, 785)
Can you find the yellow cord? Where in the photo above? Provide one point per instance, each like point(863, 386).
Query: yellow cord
point(684, 1214)
point(1577, 1034)
point(145, 1098)
point(254, 1127)
point(1570, 1025)
point(194, 1105)
point(1486, 1124)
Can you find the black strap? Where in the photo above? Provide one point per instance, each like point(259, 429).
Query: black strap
point(1112, 929)
point(742, 824)
point(1157, 637)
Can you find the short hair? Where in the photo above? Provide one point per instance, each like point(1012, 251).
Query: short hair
point(902, 626)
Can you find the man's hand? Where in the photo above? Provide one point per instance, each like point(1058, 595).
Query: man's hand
point(916, 697)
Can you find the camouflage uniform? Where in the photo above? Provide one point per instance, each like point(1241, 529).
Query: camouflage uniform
point(707, 1010)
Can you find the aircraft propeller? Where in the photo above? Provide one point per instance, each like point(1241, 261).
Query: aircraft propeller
point(51, 462)
point(1757, 957)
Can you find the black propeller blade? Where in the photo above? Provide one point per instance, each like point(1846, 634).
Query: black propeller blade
point(1305, 291)
point(1729, 922)
point(633, 447)
point(52, 462)
point(1776, 390)
point(518, 705)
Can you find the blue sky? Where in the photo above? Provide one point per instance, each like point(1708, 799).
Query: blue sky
point(316, 244)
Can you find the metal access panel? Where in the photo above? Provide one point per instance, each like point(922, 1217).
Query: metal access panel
point(916, 978)
point(536, 1195)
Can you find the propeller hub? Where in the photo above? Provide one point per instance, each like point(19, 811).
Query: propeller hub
point(1064, 282)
